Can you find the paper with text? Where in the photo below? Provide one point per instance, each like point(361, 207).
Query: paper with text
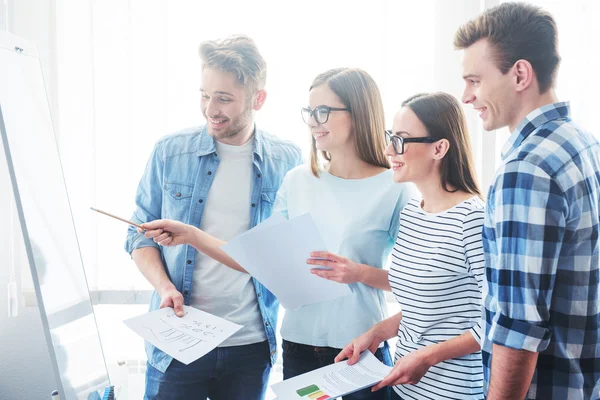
point(184, 338)
point(333, 380)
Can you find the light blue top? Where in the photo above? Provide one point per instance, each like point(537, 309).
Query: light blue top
point(175, 185)
point(358, 219)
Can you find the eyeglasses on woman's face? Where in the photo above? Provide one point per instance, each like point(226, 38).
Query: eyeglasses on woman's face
point(320, 113)
point(398, 141)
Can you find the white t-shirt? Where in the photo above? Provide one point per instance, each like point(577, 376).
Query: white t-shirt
point(216, 288)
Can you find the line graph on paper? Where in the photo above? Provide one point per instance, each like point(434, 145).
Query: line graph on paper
point(184, 338)
point(187, 334)
point(174, 336)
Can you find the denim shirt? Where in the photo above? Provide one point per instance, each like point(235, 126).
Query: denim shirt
point(175, 185)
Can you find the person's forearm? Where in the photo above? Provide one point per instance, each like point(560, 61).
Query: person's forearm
point(453, 348)
point(388, 328)
point(150, 264)
point(211, 246)
point(375, 277)
point(512, 371)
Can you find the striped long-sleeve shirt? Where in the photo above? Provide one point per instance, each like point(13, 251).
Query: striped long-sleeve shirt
point(436, 276)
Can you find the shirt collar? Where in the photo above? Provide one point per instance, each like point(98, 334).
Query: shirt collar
point(533, 121)
point(207, 143)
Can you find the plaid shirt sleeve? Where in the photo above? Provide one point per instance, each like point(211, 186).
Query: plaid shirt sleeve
point(524, 228)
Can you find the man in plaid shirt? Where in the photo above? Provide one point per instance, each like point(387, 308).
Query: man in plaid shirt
point(541, 233)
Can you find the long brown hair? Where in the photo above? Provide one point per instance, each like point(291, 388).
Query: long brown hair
point(360, 94)
point(444, 118)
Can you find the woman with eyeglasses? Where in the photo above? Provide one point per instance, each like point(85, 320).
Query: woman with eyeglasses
point(437, 262)
point(349, 191)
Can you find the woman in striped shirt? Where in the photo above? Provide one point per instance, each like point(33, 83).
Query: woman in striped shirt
point(437, 262)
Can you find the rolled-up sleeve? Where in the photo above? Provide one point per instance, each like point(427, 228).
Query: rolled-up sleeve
point(524, 230)
point(148, 201)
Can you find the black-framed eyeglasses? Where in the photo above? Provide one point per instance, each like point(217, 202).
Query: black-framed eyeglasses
point(321, 113)
point(398, 141)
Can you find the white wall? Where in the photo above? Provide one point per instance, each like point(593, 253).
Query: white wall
point(448, 78)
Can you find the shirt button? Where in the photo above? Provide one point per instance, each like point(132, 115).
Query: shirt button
point(253, 205)
point(178, 195)
point(209, 172)
point(189, 261)
point(259, 175)
point(185, 292)
point(266, 324)
point(200, 201)
point(258, 295)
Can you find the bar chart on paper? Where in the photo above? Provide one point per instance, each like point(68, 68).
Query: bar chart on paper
point(333, 380)
point(312, 392)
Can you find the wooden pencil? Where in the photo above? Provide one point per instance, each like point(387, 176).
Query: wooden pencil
point(115, 217)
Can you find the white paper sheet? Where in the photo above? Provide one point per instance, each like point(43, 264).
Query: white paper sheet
point(275, 253)
point(333, 380)
point(184, 338)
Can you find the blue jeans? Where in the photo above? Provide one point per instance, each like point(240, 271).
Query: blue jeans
point(300, 358)
point(394, 395)
point(226, 373)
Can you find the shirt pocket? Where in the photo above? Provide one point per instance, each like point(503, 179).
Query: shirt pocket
point(267, 199)
point(176, 200)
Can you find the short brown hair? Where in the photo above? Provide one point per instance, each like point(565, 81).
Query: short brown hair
point(238, 55)
point(516, 31)
point(443, 117)
point(360, 94)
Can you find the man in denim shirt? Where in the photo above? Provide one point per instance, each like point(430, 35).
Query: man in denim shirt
point(223, 178)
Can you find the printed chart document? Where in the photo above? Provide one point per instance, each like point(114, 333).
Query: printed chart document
point(184, 338)
point(333, 380)
point(275, 253)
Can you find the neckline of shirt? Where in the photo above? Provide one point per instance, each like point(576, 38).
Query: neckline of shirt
point(420, 207)
point(229, 149)
point(337, 178)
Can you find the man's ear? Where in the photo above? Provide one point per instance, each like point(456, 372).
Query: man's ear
point(524, 74)
point(259, 99)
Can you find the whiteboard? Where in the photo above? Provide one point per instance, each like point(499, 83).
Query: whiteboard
point(46, 222)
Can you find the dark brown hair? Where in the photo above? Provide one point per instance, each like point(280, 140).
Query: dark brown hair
point(444, 118)
point(359, 93)
point(516, 31)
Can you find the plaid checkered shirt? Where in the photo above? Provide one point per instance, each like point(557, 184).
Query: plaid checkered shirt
point(541, 244)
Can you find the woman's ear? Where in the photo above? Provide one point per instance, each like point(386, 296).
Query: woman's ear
point(440, 148)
